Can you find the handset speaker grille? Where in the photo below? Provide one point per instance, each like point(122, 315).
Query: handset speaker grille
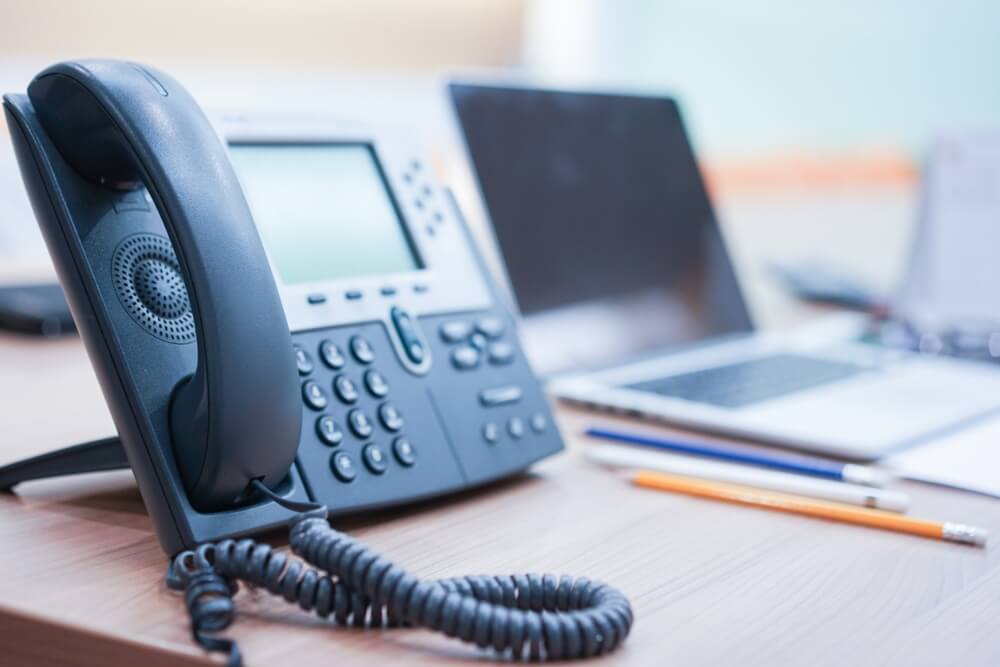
point(149, 284)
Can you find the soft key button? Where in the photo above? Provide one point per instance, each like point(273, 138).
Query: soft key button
point(455, 331)
point(407, 330)
point(500, 395)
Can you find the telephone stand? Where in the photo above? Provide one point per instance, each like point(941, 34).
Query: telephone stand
point(94, 456)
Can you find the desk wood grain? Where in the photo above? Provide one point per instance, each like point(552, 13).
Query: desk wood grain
point(82, 580)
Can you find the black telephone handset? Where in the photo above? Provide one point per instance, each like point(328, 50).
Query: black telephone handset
point(218, 370)
point(122, 127)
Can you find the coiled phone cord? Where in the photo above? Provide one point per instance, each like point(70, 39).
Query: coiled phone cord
point(541, 617)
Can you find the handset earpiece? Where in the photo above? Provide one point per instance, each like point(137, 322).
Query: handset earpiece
point(238, 417)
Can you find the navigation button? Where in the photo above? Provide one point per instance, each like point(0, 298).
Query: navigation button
point(501, 353)
point(455, 331)
point(491, 327)
point(465, 357)
point(343, 466)
point(500, 396)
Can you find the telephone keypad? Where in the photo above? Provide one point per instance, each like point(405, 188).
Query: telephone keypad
point(345, 389)
point(375, 459)
point(377, 385)
point(331, 355)
point(303, 361)
point(475, 413)
point(390, 417)
point(313, 395)
point(342, 465)
point(329, 431)
point(404, 451)
point(362, 349)
point(360, 423)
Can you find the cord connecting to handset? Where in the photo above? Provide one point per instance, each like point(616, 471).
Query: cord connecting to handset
point(541, 617)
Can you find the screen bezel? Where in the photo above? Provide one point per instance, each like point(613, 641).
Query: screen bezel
point(368, 146)
point(451, 280)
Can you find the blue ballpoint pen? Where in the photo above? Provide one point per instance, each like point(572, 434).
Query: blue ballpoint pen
point(844, 472)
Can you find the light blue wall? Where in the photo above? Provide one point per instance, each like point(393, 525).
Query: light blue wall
point(779, 75)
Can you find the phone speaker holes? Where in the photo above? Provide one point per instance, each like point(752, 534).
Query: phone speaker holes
point(150, 287)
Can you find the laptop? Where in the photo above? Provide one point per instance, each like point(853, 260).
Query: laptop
point(631, 301)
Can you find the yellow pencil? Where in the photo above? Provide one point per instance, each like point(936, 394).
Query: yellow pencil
point(782, 502)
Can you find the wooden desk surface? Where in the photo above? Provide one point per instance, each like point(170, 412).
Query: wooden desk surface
point(711, 583)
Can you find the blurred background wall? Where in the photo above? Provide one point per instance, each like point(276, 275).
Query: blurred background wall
point(837, 98)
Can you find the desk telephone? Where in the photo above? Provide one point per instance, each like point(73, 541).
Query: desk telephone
point(288, 320)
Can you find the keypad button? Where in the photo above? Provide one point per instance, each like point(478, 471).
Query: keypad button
point(491, 327)
point(538, 422)
point(345, 389)
point(404, 451)
point(303, 361)
point(515, 426)
point(375, 459)
point(342, 465)
point(478, 341)
point(362, 349)
point(361, 425)
point(376, 383)
point(505, 395)
point(313, 395)
point(390, 417)
point(329, 431)
point(331, 355)
point(501, 353)
point(455, 331)
point(491, 432)
point(465, 357)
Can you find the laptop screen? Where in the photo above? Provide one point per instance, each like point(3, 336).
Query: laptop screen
point(603, 220)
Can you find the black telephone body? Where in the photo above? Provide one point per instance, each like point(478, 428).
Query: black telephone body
point(293, 302)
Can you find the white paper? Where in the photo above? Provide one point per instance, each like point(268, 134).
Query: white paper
point(967, 459)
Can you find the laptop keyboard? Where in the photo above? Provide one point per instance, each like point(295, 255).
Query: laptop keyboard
point(747, 382)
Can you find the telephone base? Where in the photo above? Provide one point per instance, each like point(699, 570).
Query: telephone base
point(94, 456)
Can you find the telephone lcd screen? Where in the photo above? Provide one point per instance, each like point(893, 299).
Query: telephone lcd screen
point(324, 211)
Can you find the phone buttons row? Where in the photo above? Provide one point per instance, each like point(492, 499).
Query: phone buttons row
point(333, 357)
point(375, 458)
point(516, 428)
